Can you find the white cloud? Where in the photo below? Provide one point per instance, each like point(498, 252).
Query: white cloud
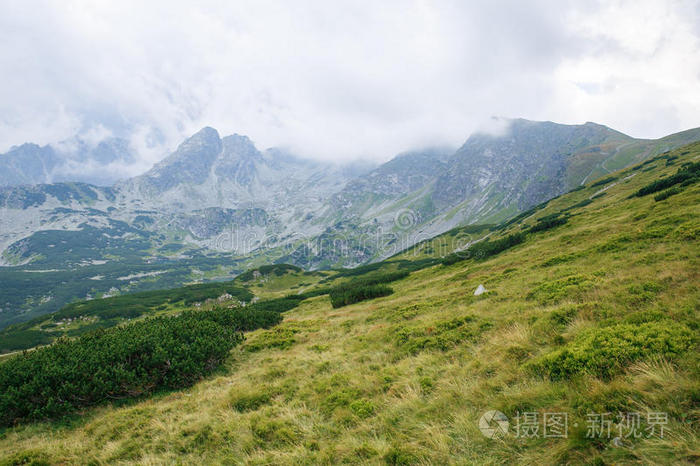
point(341, 79)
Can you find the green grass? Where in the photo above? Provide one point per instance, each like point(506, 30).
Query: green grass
point(596, 315)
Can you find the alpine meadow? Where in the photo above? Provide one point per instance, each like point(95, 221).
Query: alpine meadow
point(380, 271)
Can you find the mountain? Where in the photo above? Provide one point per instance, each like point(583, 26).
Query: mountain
point(72, 160)
point(489, 179)
point(28, 164)
point(531, 163)
point(230, 172)
point(218, 205)
point(590, 315)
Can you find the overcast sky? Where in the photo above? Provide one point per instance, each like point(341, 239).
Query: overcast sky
point(341, 79)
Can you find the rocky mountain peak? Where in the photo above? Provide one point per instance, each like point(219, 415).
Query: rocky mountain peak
point(204, 135)
point(27, 146)
point(238, 146)
point(204, 142)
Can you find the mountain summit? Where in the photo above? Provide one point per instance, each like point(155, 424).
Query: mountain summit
point(208, 171)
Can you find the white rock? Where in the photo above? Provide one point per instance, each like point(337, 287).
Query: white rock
point(480, 290)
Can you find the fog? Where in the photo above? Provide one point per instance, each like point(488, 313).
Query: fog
point(343, 79)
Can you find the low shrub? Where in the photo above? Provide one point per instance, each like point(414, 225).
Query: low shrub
point(603, 352)
point(688, 231)
point(640, 293)
point(578, 205)
point(639, 317)
point(400, 456)
point(689, 171)
point(363, 288)
point(244, 319)
point(117, 363)
point(427, 384)
point(339, 398)
point(375, 279)
point(668, 193)
point(313, 293)
point(109, 313)
point(454, 258)
point(418, 264)
point(547, 223)
point(345, 295)
point(122, 362)
point(361, 270)
point(24, 339)
point(137, 304)
point(34, 457)
point(563, 315)
point(485, 249)
point(362, 408)
point(603, 181)
point(617, 243)
point(608, 399)
point(278, 305)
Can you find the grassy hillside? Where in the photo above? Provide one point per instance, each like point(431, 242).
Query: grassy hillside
point(624, 153)
point(595, 311)
point(83, 316)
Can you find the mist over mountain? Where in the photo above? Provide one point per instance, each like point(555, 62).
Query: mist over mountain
point(101, 164)
point(217, 204)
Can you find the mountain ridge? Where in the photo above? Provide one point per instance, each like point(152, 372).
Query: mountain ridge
point(224, 203)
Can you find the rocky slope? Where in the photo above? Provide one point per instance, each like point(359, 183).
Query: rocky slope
point(490, 178)
point(221, 202)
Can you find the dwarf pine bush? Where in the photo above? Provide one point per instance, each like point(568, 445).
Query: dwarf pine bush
point(603, 181)
point(343, 296)
point(688, 172)
point(367, 287)
point(548, 222)
point(122, 362)
point(602, 352)
point(668, 193)
point(485, 249)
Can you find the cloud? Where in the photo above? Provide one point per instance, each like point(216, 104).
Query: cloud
point(341, 79)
